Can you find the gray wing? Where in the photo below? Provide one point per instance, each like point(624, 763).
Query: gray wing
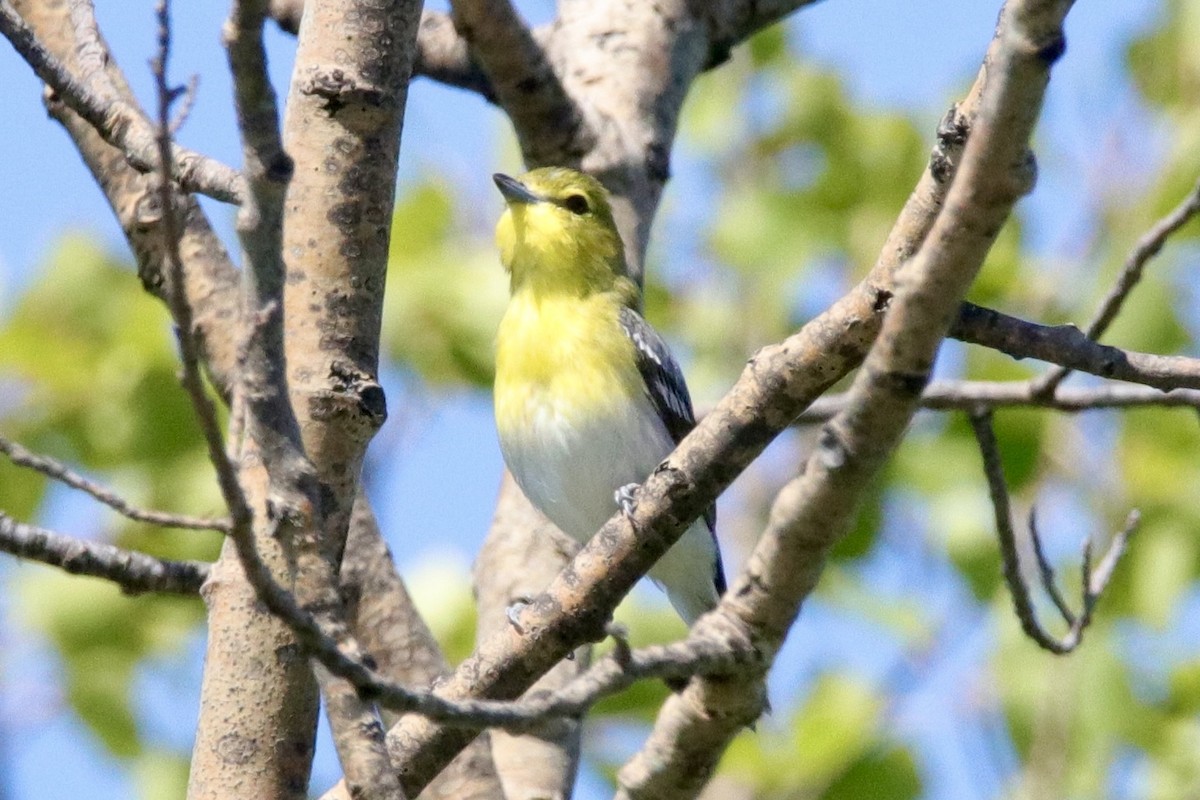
point(669, 393)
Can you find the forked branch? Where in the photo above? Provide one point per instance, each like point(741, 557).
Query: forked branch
point(1095, 579)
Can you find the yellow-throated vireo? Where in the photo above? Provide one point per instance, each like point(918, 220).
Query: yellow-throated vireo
point(588, 398)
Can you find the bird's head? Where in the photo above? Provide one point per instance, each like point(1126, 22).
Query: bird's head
point(557, 232)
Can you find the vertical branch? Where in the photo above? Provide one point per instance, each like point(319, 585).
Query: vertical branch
point(299, 496)
point(272, 773)
point(342, 128)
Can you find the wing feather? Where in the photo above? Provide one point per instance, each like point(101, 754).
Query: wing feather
point(668, 392)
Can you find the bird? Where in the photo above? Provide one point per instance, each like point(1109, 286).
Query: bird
point(588, 398)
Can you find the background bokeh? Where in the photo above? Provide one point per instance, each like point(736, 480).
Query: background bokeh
point(907, 675)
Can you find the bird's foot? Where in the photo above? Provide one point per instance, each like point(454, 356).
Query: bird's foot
point(626, 498)
point(622, 652)
point(513, 613)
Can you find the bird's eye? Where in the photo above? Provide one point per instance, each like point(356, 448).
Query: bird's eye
point(576, 204)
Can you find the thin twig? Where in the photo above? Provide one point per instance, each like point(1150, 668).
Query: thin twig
point(134, 572)
point(1094, 583)
point(52, 468)
point(188, 101)
point(181, 310)
point(949, 395)
point(1148, 246)
point(1049, 582)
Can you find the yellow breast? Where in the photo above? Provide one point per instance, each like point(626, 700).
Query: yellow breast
point(562, 357)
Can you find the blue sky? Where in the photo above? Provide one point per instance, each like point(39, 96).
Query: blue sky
point(440, 487)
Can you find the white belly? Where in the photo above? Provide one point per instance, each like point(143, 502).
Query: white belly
point(569, 465)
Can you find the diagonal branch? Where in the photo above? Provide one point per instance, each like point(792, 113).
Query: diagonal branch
point(1148, 246)
point(52, 468)
point(134, 572)
point(730, 23)
point(120, 123)
point(444, 56)
point(545, 118)
point(815, 509)
point(1069, 347)
point(1094, 581)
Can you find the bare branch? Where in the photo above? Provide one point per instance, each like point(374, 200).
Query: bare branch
point(779, 382)
point(444, 56)
point(242, 532)
point(295, 489)
point(545, 118)
point(1148, 246)
point(383, 618)
point(287, 14)
point(815, 509)
point(1066, 345)
point(951, 395)
point(994, 471)
point(181, 311)
point(134, 572)
point(55, 469)
point(120, 123)
point(1094, 582)
point(731, 23)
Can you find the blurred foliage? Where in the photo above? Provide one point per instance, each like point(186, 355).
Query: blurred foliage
point(805, 183)
point(89, 377)
point(447, 293)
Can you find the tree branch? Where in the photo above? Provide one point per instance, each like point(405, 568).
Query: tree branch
point(731, 23)
point(134, 572)
point(970, 395)
point(118, 122)
point(444, 56)
point(383, 618)
point(1094, 581)
point(1148, 246)
point(815, 509)
point(545, 118)
point(297, 495)
point(1067, 346)
point(52, 468)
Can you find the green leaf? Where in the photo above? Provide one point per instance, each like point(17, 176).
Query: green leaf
point(446, 293)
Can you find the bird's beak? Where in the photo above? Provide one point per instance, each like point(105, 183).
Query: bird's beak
point(513, 190)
